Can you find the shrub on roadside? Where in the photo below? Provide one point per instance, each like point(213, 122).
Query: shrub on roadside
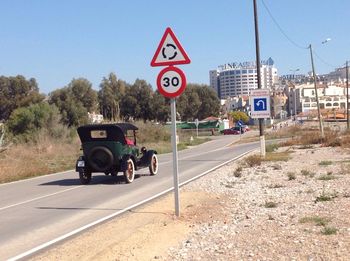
point(253, 160)
point(329, 231)
point(270, 204)
point(26, 123)
point(307, 173)
point(272, 147)
point(291, 176)
point(238, 172)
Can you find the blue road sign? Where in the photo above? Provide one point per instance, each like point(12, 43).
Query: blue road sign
point(260, 104)
point(240, 123)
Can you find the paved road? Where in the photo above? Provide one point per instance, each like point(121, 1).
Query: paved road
point(39, 210)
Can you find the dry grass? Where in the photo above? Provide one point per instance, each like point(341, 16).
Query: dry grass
point(29, 160)
point(309, 135)
point(278, 156)
point(47, 155)
point(253, 160)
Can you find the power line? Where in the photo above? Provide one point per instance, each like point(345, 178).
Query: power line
point(281, 30)
point(323, 61)
point(290, 39)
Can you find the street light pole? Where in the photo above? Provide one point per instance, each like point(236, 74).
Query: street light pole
point(295, 94)
point(317, 101)
point(347, 96)
point(257, 52)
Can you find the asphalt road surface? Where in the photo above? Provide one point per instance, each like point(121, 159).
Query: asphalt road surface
point(38, 212)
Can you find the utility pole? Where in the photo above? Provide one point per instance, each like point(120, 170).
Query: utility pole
point(295, 93)
point(257, 51)
point(347, 96)
point(317, 101)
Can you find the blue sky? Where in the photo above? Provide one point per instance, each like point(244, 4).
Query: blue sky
point(55, 41)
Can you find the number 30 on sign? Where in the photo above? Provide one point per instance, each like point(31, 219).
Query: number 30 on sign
point(171, 82)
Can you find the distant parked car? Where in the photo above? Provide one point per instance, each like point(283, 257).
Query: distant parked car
point(245, 128)
point(232, 130)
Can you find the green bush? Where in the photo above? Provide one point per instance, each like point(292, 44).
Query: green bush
point(27, 123)
point(329, 231)
point(272, 147)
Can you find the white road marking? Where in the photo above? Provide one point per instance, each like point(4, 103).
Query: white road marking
point(33, 199)
point(38, 177)
point(78, 230)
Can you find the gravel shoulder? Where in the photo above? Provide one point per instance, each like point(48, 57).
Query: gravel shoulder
point(281, 210)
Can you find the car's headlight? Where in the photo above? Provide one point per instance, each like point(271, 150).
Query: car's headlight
point(81, 163)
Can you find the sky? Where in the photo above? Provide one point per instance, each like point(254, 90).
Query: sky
point(56, 41)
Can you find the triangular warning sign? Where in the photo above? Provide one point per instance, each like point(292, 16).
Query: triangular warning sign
point(169, 51)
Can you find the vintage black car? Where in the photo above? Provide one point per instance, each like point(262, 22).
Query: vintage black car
point(112, 148)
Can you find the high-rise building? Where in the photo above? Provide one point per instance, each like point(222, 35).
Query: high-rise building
point(237, 79)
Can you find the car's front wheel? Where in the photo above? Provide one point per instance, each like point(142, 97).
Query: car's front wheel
point(84, 176)
point(153, 167)
point(129, 173)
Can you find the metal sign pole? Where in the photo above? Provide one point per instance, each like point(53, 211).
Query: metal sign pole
point(196, 121)
point(175, 162)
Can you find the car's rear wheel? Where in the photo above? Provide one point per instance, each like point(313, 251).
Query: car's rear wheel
point(84, 176)
point(100, 158)
point(153, 167)
point(129, 173)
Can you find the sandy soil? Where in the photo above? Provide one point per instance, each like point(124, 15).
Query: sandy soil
point(141, 234)
point(224, 216)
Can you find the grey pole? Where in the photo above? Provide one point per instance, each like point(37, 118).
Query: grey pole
point(175, 162)
point(317, 101)
point(257, 51)
point(295, 94)
point(295, 103)
point(347, 96)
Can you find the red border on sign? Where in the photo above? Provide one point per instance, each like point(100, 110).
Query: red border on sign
point(171, 94)
point(181, 49)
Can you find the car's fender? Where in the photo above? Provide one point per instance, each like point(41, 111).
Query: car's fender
point(146, 158)
point(125, 158)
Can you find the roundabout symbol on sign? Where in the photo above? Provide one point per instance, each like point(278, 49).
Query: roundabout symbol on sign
point(171, 82)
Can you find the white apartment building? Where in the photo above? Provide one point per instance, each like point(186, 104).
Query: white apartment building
point(302, 98)
point(237, 79)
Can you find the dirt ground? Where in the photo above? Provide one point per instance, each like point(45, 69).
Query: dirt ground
point(145, 233)
point(226, 216)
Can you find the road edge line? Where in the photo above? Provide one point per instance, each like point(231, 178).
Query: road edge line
point(101, 220)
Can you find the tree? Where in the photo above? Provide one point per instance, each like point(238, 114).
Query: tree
point(189, 103)
point(75, 101)
point(27, 121)
point(16, 92)
point(198, 102)
point(136, 104)
point(110, 95)
point(210, 103)
point(160, 107)
point(239, 115)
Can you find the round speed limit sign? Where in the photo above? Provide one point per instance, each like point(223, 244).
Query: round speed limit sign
point(171, 82)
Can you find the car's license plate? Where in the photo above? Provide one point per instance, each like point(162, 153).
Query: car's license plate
point(81, 163)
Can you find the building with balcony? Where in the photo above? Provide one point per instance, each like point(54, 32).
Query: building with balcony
point(237, 79)
point(302, 98)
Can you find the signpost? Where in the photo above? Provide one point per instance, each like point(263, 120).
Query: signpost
point(260, 103)
point(171, 82)
point(196, 121)
point(260, 109)
point(240, 124)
